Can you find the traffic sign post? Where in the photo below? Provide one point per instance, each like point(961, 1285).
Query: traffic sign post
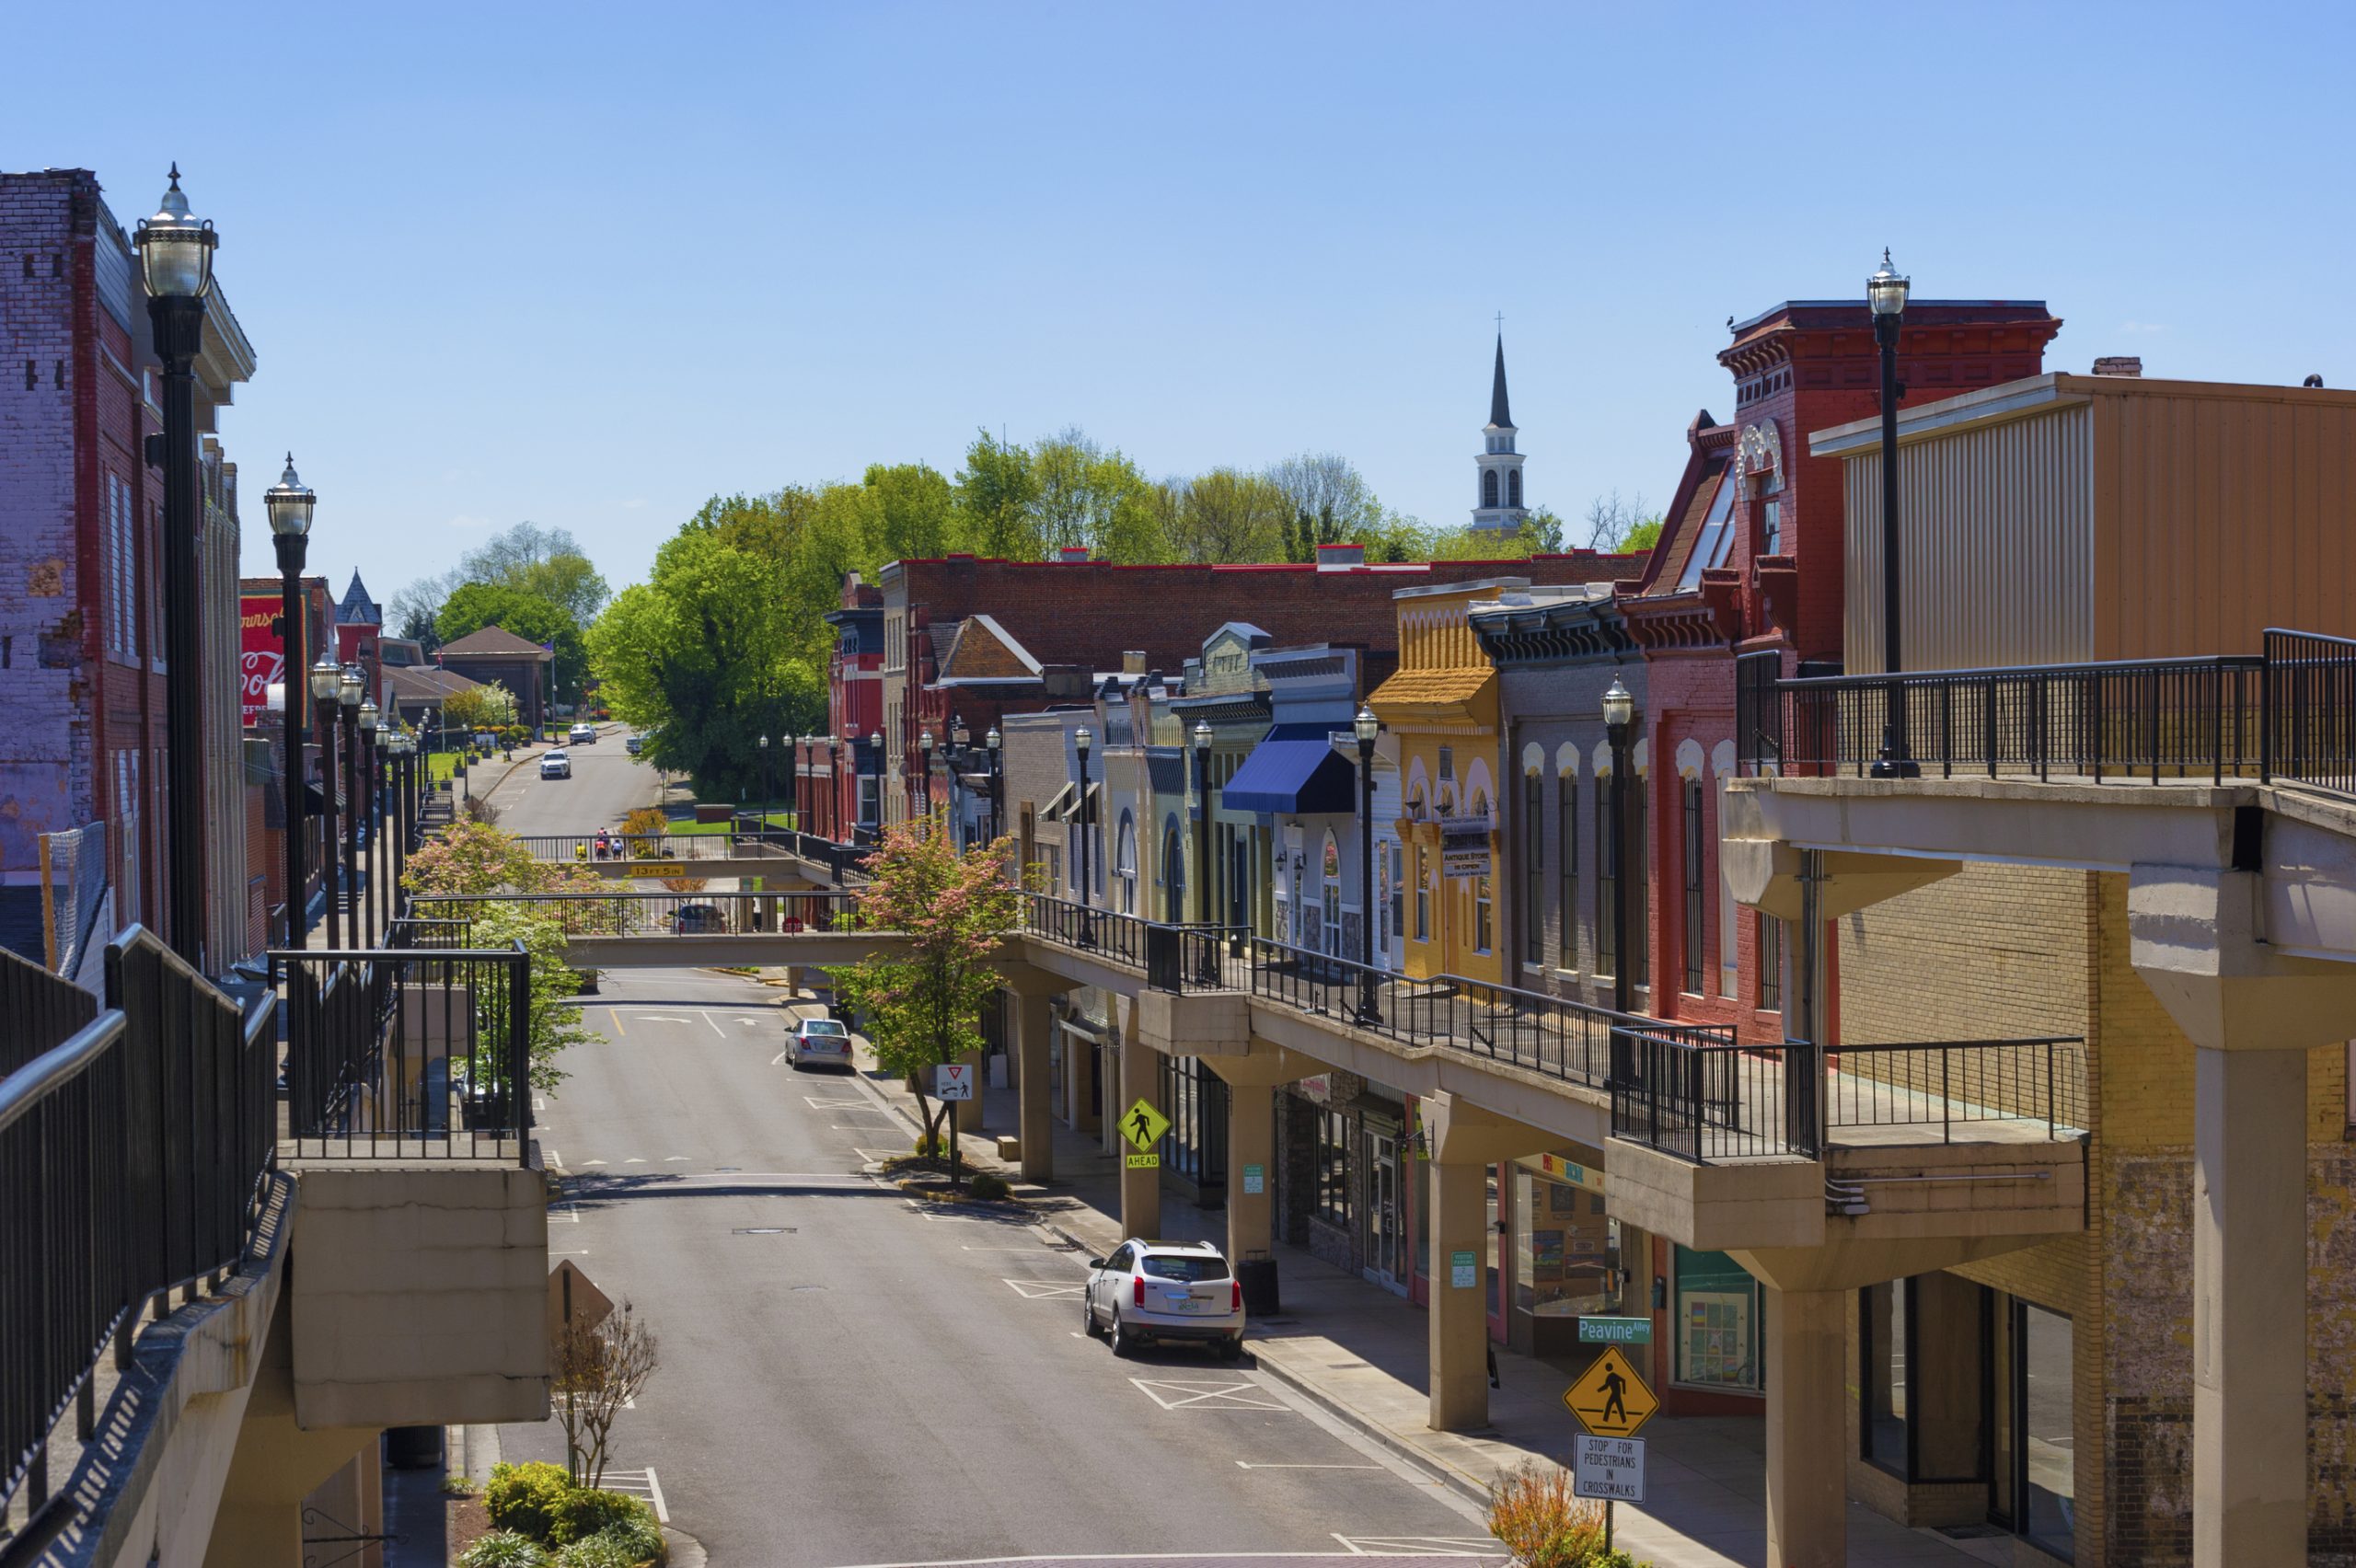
point(1615, 1330)
point(1143, 1126)
point(1611, 1400)
point(1609, 1469)
point(952, 1082)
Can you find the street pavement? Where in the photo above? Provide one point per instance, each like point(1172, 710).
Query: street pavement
point(852, 1377)
point(607, 784)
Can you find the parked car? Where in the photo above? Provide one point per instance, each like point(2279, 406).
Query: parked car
point(1165, 1290)
point(556, 764)
point(635, 744)
point(698, 919)
point(819, 1041)
point(581, 735)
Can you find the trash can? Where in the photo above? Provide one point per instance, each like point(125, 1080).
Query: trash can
point(413, 1447)
point(1257, 1274)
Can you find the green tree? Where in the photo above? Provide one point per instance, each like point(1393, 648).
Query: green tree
point(546, 561)
point(995, 491)
point(1227, 516)
point(1329, 502)
point(528, 615)
point(916, 516)
point(923, 1009)
point(487, 707)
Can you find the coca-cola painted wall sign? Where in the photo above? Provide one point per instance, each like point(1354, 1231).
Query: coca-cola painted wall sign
point(261, 655)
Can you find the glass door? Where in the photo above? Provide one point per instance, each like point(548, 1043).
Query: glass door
point(1385, 1237)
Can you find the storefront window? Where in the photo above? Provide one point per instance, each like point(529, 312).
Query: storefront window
point(1881, 1321)
point(1566, 1251)
point(1196, 1100)
point(2048, 1435)
point(1333, 1154)
point(1717, 1322)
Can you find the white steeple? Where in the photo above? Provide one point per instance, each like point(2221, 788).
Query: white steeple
point(1497, 501)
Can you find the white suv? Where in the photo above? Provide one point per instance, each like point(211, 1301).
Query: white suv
point(1165, 1290)
point(581, 735)
point(556, 764)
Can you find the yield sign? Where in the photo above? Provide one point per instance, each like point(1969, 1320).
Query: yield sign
point(1143, 1126)
point(952, 1080)
point(1610, 1398)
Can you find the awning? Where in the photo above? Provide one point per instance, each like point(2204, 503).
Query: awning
point(1294, 771)
point(1065, 806)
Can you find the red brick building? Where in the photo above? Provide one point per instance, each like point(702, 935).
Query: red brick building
point(82, 676)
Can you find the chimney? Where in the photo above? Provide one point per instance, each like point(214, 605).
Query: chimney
point(2119, 364)
point(1340, 558)
point(1071, 554)
point(1133, 661)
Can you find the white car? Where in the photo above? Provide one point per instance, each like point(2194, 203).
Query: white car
point(821, 1041)
point(581, 735)
point(1165, 1290)
point(556, 764)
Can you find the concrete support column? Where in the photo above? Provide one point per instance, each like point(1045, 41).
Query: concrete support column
point(1140, 1078)
point(2249, 1309)
point(1459, 1304)
point(969, 1112)
point(1806, 1368)
point(1035, 1117)
point(1251, 1145)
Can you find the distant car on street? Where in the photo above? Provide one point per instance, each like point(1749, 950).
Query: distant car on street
point(1165, 1290)
point(581, 735)
point(698, 918)
point(819, 1042)
point(634, 745)
point(556, 764)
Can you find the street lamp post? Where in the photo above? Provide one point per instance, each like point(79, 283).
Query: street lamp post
point(175, 256)
point(347, 696)
point(1082, 739)
point(1885, 292)
point(924, 747)
point(960, 757)
point(1619, 715)
point(765, 783)
point(875, 755)
point(367, 813)
point(327, 686)
point(384, 843)
point(996, 743)
point(290, 503)
point(1367, 727)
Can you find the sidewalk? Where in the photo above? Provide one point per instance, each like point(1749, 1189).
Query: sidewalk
point(1360, 1352)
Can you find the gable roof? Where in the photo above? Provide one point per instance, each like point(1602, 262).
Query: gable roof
point(357, 608)
point(980, 649)
point(495, 641)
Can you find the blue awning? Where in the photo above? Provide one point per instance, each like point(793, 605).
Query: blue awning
point(1293, 771)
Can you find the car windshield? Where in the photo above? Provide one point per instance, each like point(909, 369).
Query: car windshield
point(1184, 1266)
point(822, 1026)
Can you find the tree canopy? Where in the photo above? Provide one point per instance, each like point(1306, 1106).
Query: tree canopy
point(530, 615)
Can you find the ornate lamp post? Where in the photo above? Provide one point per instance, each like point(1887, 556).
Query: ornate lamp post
point(366, 813)
point(384, 840)
point(764, 743)
point(176, 257)
point(1082, 740)
point(996, 744)
point(875, 755)
point(960, 757)
point(924, 749)
point(1367, 727)
point(1619, 715)
point(290, 503)
point(1885, 292)
point(347, 696)
point(1199, 740)
point(327, 686)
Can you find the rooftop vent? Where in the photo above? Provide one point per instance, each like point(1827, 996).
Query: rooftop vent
point(2119, 364)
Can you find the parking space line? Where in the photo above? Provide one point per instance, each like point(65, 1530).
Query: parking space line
point(1173, 1393)
point(1041, 1290)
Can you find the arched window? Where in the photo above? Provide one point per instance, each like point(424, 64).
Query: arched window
point(1126, 866)
point(1488, 487)
point(1173, 873)
point(1513, 487)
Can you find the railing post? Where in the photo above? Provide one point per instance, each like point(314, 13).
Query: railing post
point(1947, 1100)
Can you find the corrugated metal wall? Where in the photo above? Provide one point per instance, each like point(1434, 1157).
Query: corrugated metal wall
point(2216, 517)
point(1997, 549)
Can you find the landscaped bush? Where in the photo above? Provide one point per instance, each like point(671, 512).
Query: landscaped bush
point(504, 1548)
point(622, 1545)
point(1535, 1514)
point(528, 1498)
point(585, 1513)
point(987, 1185)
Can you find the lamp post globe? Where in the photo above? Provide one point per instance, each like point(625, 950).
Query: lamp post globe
point(327, 678)
point(1887, 289)
point(174, 249)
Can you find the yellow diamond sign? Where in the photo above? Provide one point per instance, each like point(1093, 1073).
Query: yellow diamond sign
point(1143, 1126)
point(1610, 1398)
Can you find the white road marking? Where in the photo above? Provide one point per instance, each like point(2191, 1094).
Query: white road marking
point(659, 1017)
point(582, 1253)
point(586, 1163)
point(635, 1159)
point(539, 1104)
point(715, 1027)
point(818, 1104)
point(1422, 1546)
point(555, 1161)
point(640, 1483)
point(1040, 1290)
point(1172, 1393)
point(780, 1057)
point(1247, 1464)
point(669, 1158)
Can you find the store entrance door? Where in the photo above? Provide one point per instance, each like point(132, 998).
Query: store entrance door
point(1386, 1239)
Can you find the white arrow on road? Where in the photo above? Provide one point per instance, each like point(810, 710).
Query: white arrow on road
point(635, 1159)
point(588, 1162)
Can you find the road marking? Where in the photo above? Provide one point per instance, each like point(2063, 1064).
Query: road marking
point(555, 1161)
point(614, 1017)
point(780, 1057)
point(1040, 1289)
point(658, 1018)
point(715, 1026)
point(582, 1253)
point(635, 1159)
point(564, 1214)
point(669, 1158)
point(640, 1483)
point(1172, 1393)
point(818, 1104)
point(586, 1163)
point(1247, 1464)
point(1422, 1546)
point(539, 1103)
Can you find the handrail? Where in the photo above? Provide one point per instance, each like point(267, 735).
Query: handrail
point(54, 1068)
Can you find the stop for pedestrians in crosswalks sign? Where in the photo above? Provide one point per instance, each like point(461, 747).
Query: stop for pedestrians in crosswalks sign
point(952, 1080)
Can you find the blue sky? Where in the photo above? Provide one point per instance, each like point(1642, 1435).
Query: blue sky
point(588, 264)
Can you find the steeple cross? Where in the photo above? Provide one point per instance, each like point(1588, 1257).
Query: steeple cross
point(1501, 323)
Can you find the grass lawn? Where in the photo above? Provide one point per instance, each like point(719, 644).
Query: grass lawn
point(705, 829)
point(441, 766)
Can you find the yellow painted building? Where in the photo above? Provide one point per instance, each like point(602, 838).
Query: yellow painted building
point(1441, 704)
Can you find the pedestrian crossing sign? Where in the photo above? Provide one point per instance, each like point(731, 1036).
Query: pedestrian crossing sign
point(1610, 1398)
point(1143, 1126)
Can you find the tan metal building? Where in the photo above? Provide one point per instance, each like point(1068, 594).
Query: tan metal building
point(2066, 518)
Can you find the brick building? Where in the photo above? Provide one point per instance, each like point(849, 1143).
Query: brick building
point(82, 673)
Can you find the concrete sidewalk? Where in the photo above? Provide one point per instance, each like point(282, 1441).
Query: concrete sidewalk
point(1360, 1352)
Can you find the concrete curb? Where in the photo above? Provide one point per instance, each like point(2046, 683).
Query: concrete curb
point(685, 1551)
point(1447, 1474)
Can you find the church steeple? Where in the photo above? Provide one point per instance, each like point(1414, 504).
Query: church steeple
point(1497, 503)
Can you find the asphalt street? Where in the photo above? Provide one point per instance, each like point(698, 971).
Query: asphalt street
point(852, 1377)
point(606, 783)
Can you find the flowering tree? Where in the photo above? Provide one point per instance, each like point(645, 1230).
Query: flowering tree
point(923, 1009)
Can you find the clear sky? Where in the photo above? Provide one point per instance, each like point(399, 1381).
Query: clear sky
point(588, 264)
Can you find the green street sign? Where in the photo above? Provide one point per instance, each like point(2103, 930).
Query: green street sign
point(1615, 1330)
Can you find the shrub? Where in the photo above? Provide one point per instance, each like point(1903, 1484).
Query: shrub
point(987, 1185)
point(637, 1539)
point(504, 1548)
point(1535, 1514)
point(596, 1551)
point(585, 1512)
point(528, 1498)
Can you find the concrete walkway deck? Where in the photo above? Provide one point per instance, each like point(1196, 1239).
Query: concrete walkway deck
point(1360, 1351)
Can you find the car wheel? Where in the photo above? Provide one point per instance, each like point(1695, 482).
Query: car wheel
point(795, 1057)
point(1232, 1348)
point(1088, 1318)
point(1125, 1344)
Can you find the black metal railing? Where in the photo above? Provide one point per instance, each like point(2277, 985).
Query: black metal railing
point(131, 1153)
point(584, 848)
point(1758, 707)
point(417, 1053)
point(627, 914)
point(1714, 1104)
point(2311, 710)
point(1117, 939)
point(1189, 957)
